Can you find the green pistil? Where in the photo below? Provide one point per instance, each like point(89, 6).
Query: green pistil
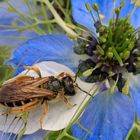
point(117, 56)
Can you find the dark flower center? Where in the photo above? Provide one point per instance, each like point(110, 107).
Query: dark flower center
point(115, 50)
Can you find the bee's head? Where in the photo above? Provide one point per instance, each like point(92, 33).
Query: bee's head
point(68, 84)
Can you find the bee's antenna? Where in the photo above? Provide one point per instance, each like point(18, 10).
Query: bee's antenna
point(83, 90)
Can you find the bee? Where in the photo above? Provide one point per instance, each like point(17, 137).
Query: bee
point(25, 93)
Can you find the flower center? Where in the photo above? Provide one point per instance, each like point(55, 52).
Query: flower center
point(114, 51)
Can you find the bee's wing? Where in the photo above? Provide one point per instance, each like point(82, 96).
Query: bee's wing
point(14, 91)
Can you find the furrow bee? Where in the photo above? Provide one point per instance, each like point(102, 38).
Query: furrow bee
point(25, 93)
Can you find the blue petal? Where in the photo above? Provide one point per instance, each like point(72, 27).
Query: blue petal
point(135, 20)
point(35, 136)
point(108, 117)
point(14, 38)
point(135, 93)
point(51, 47)
point(83, 17)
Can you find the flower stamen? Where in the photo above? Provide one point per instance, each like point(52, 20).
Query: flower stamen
point(117, 51)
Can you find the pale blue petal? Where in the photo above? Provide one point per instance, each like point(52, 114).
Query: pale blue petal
point(51, 47)
point(82, 16)
point(39, 135)
point(135, 92)
point(108, 117)
point(135, 20)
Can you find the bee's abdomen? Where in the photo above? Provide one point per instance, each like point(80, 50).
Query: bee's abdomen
point(17, 103)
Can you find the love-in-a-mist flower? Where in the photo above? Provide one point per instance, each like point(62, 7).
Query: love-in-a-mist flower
point(112, 52)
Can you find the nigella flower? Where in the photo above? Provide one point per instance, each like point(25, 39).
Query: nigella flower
point(112, 55)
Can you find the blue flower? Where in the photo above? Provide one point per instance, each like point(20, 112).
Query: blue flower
point(109, 116)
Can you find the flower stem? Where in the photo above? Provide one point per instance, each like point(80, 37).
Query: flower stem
point(25, 17)
point(59, 20)
point(117, 56)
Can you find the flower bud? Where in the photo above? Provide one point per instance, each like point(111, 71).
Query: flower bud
point(102, 39)
point(126, 54)
point(109, 55)
point(122, 4)
point(95, 7)
point(117, 11)
point(88, 7)
point(130, 46)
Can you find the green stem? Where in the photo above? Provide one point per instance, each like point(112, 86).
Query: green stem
point(71, 137)
point(59, 20)
point(81, 126)
point(25, 17)
point(117, 56)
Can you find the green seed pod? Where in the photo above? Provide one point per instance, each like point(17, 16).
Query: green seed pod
point(111, 22)
point(110, 49)
point(110, 55)
point(95, 7)
point(122, 4)
point(102, 39)
point(126, 54)
point(138, 58)
point(127, 23)
point(121, 54)
point(102, 29)
point(121, 20)
point(103, 46)
point(130, 46)
point(117, 11)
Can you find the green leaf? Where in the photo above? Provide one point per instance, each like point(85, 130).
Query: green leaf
point(135, 135)
point(21, 133)
point(52, 135)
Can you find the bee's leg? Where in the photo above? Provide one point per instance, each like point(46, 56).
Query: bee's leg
point(67, 101)
point(24, 77)
point(26, 107)
point(44, 112)
point(34, 68)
